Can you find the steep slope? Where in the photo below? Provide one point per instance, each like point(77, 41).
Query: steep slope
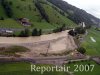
point(75, 14)
point(28, 9)
point(56, 17)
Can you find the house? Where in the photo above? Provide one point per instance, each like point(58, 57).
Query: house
point(82, 24)
point(24, 21)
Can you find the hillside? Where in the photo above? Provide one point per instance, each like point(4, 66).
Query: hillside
point(75, 14)
point(11, 10)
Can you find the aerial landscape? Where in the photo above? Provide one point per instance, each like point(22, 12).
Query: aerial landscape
point(48, 37)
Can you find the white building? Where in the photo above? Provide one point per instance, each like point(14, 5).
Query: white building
point(82, 24)
point(9, 31)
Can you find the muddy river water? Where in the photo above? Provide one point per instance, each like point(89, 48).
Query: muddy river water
point(59, 42)
point(12, 40)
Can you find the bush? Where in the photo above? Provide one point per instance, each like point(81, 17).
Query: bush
point(2, 18)
point(80, 30)
point(82, 50)
point(24, 33)
point(27, 32)
point(72, 33)
point(35, 32)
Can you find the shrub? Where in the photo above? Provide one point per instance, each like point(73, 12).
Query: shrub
point(82, 50)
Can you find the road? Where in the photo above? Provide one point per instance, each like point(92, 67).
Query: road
point(43, 60)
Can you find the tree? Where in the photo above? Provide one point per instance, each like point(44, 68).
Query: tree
point(80, 30)
point(2, 18)
point(30, 8)
point(42, 11)
point(27, 32)
point(10, 3)
point(34, 32)
point(7, 8)
point(22, 34)
point(82, 50)
point(72, 33)
point(63, 27)
point(40, 32)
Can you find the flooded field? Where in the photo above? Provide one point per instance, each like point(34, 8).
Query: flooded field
point(12, 40)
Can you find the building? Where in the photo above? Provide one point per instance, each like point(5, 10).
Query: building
point(6, 32)
point(24, 21)
point(82, 24)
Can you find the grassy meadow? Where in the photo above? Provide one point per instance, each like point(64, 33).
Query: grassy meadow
point(22, 68)
point(92, 48)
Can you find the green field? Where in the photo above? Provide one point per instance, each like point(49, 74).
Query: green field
point(12, 50)
point(92, 48)
point(9, 23)
point(24, 69)
point(21, 69)
point(95, 71)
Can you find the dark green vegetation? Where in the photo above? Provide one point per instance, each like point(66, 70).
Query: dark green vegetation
point(27, 33)
point(77, 31)
point(75, 14)
point(42, 11)
point(12, 50)
point(7, 8)
point(82, 50)
point(24, 33)
point(23, 68)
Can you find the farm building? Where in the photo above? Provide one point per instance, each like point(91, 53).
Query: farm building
point(24, 21)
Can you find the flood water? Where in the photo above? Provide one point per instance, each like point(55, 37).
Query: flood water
point(13, 40)
point(58, 42)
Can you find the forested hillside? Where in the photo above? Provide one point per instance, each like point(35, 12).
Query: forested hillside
point(75, 14)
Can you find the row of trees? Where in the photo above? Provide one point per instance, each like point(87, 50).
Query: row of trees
point(27, 33)
point(7, 8)
point(36, 32)
point(42, 11)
